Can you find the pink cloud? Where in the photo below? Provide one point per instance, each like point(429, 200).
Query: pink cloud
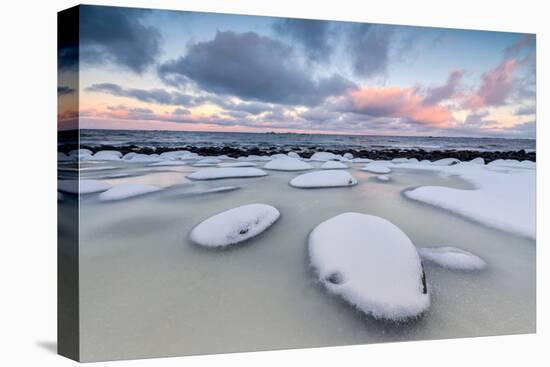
point(496, 86)
point(399, 102)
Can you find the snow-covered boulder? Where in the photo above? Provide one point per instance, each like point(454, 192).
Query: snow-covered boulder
point(377, 167)
point(253, 157)
point(278, 155)
point(333, 165)
point(320, 179)
point(294, 155)
point(82, 186)
point(287, 164)
point(478, 160)
point(371, 264)
point(145, 158)
point(237, 164)
point(226, 172)
point(383, 178)
point(107, 155)
point(62, 157)
point(452, 258)
point(348, 156)
point(125, 191)
point(78, 152)
point(324, 156)
point(234, 225)
point(129, 156)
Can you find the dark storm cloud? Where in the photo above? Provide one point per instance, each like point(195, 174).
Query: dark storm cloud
point(117, 35)
point(369, 49)
point(252, 67)
point(64, 90)
point(158, 96)
point(445, 91)
point(313, 35)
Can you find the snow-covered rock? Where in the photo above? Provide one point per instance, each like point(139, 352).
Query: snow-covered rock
point(145, 158)
point(82, 186)
point(383, 178)
point(370, 263)
point(209, 160)
point(252, 158)
point(452, 258)
point(294, 155)
point(400, 160)
point(287, 164)
point(512, 163)
point(377, 167)
point(348, 156)
point(324, 156)
point(62, 157)
point(234, 225)
point(446, 162)
point(319, 179)
point(128, 190)
point(226, 172)
point(107, 155)
point(237, 164)
point(78, 152)
point(333, 165)
point(129, 156)
point(478, 160)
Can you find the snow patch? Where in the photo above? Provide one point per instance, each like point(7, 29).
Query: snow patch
point(377, 167)
point(319, 179)
point(324, 156)
point(383, 178)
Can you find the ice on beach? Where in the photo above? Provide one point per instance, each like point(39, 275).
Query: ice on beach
point(106, 155)
point(512, 163)
point(234, 225)
point(237, 164)
point(209, 160)
point(377, 167)
point(226, 172)
point(324, 156)
point(452, 258)
point(294, 155)
point(82, 186)
point(500, 199)
point(383, 178)
point(320, 179)
point(127, 190)
point(251, 158)
point(361, 160)
point(370, 263)
point(287, 164)
point(333, 165)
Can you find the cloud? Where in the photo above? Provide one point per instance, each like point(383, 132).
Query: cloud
point(526, 110)
point(369, 49)
point(445, 91)
point(403, 103)
point(496, 86)
point(525, 42)
point(181, 111)
point(251, 67)
point(117, 36)
point(313, 35)
point(64, 90)
point(158, 96)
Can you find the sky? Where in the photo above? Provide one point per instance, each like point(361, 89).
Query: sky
point(174, 70)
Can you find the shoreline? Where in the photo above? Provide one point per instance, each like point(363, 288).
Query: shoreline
point(307, 152)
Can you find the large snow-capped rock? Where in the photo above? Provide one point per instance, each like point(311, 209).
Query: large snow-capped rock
point(320, 179)
point(234, 225)
point(377, 167)
point(227, 172)
point(370, 263)
point(333, 165)
point(286, 163)
point(452, 258)
point(82, 186)
point(125, 191)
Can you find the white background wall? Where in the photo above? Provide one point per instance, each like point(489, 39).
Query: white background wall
point(28, 179)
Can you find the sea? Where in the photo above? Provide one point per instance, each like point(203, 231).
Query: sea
point(174, 139)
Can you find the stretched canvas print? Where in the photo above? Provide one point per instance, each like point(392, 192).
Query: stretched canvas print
point(240, 183)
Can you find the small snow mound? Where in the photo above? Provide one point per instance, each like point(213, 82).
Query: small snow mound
point(237, 164)
point(128, 156)
point(512, 163)
point(319, 179)
point(478, 160)
point(145, 158)
point(400, 160)
point(324, 156)
point(62, 157)
point(287, 164)
point(333, 165)
point(377, 167)
point(251, 158)
point(226, 172)
point(348, 156)
point(82, 186)
point(446, 162)
point(125, 191)
point(383, 178)
point(78, 152)
point(294, 155)
point(370, 263)
point(452, 258)
point(107, 155)
point(234, 225)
